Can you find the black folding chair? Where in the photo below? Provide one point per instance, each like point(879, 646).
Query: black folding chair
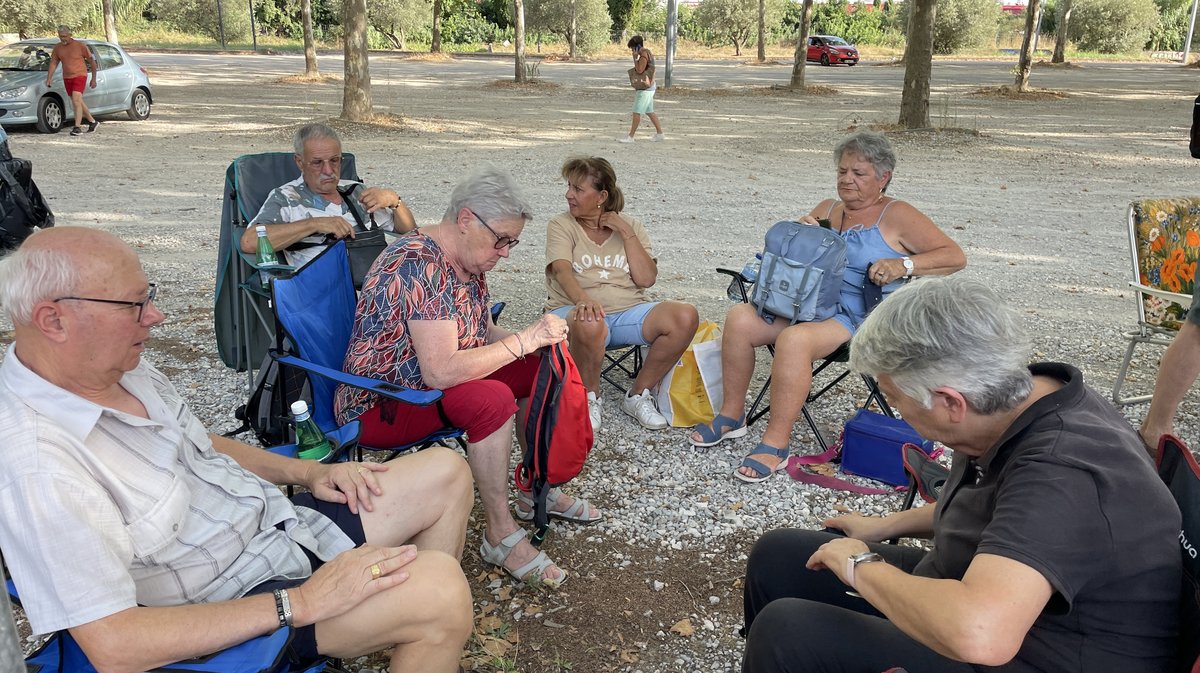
point(622, 360)
point(739, 286)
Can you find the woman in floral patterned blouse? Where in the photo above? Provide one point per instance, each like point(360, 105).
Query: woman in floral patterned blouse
point(424, 322)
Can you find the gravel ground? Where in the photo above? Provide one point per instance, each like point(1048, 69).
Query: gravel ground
point(1034, 191)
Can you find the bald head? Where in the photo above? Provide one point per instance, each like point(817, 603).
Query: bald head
point(59, 262)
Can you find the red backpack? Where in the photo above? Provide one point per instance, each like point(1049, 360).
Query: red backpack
point(558, 433)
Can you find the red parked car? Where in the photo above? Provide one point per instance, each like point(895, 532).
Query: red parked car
point(831, 49)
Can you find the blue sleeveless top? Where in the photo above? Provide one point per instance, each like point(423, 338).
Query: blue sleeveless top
point(864, 245)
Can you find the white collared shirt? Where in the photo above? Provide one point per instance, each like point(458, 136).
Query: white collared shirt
point(101, 511)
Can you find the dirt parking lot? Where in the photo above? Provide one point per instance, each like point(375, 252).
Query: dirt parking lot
point(1034, 190)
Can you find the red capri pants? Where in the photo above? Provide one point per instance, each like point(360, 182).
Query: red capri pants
point(479, 407)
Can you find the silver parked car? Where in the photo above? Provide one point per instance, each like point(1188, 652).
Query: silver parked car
point(121, 85)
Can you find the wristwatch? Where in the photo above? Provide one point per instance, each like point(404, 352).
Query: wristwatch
point(908, 266)
point(854, 561)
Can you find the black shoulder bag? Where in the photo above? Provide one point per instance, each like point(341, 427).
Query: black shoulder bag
point(368, 242)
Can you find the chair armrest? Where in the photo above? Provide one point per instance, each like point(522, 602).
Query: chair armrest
point(421, 398)
point(739, 281)
point(344, 439)
point(1185, 299)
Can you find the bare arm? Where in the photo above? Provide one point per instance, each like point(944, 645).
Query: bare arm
point(643, 270)
point(90, 64)
point(53, 65)
point(641, 60)
point(374, 198)
point(443, 365)
point(283, 235)
point(933, 252)
point(981, 619)
point(168, 634)
point(916, 522)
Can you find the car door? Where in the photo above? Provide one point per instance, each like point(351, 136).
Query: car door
point(115, 78)
point(814, 49)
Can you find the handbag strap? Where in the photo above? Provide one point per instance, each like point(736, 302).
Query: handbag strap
point(346, 192)
point(797, 472)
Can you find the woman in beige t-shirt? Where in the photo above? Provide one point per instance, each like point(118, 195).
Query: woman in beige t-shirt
point(598, 265)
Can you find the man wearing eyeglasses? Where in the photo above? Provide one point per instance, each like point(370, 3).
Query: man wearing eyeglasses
point(124, 521)
point(303, 216)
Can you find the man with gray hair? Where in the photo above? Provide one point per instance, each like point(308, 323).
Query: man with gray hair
point(1054, 541)
point(152, 540)
point(305, 215)
point(76, 60)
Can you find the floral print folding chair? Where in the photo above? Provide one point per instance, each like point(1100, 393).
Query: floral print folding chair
point(1164, 242)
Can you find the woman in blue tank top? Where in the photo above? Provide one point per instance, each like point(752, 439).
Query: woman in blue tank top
point(888, 241)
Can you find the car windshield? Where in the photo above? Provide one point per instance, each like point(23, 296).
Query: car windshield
point(25, 57)
point(837, 42)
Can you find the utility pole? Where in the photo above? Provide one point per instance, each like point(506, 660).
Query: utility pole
point(253, 32)
point(672, 25)
point(220, 24)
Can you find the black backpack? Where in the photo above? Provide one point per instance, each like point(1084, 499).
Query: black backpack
point(1194, 145)
point(267, 410)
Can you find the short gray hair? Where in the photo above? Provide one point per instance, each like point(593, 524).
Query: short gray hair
point(954, 332)
point(64, 28)
point(313, 131)
point(872, 146)
point(31, 275)
point(491, 193)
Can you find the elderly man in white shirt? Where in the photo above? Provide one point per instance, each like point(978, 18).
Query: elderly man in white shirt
point(123, 520)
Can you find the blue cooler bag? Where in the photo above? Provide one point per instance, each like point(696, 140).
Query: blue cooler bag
point(873, 447)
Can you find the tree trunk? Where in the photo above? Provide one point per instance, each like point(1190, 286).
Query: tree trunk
point(1025, 62)
point(356, 91)
point(403, 42)
point(310, 43)
point(519, 40)
point(110, 21)
point(1060, 40)
point(797, 82)
point(918, 64)
point(762, 31)
point(435, 45)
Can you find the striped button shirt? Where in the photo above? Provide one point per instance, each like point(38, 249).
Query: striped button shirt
point(101, 511)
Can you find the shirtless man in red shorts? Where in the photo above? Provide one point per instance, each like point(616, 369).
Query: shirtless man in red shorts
point(76, 60)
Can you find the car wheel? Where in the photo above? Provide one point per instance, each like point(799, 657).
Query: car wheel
point(139, 105)
point(852, 63)
point(824, 59)
point(49, 115)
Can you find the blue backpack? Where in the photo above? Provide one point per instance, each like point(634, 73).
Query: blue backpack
point(801, 274)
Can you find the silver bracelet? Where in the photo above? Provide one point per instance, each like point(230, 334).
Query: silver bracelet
point(510, 351)
point(283, 607)
point(522, 355)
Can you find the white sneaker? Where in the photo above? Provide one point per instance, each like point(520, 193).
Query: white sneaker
point(658, 136)
point(626, 139)
point(644, 410)
point(594, 404)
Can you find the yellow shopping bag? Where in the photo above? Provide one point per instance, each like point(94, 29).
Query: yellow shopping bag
point(690, 393)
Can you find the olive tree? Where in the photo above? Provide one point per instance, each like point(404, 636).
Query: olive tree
point(396, 19)
point(1112, 26)
point(734, 21)
point(37, 18)
point(918, 64)
point(960, 24)
point(584, 24)
point(356, 84)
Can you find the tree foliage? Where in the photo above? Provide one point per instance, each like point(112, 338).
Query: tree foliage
point(962, 24)
point(1172, 27)
point(735, 22)
point(399, 19)
point(1112, 26)
point(41, 17)
point(862, 26)
point(624, 15)
point(200, 17)
point(584, 24)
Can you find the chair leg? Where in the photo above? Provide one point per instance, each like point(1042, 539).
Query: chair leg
point(1124, 371)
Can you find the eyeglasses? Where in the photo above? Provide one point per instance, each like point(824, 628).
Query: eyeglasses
point(141, 305)
point(333, 163)
point(501, 241)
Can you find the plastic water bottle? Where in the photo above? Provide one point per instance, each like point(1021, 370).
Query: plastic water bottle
point(265, 256)
point(750, 273)
point(309, 438)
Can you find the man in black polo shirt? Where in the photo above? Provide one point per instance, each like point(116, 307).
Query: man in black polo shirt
point(1054, 542)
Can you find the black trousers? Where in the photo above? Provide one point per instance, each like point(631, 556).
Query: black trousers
point(803, 621)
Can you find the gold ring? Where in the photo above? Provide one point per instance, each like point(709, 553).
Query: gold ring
point(376, 571)
point(362, 469)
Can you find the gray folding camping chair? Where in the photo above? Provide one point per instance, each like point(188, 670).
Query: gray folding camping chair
point(242, 317)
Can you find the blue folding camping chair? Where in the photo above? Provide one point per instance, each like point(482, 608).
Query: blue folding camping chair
point(314, 309)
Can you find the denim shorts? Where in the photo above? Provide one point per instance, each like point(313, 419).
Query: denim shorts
point(624, 328)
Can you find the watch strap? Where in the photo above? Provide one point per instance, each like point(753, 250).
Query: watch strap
point(853, 562)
